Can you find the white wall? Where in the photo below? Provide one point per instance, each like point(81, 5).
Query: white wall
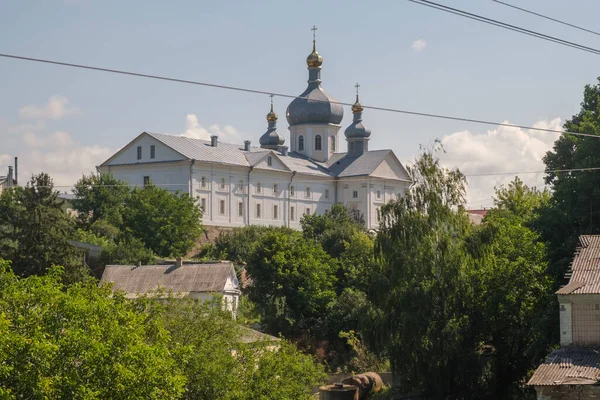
point(174, 176)
point(566, 323)
point(128, 154)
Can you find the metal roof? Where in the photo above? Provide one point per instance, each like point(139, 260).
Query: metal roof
point(568, 366)
point(345, 165)
point(585, 268)
point(185, 279)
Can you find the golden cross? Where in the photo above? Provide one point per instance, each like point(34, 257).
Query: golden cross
point(314, 29)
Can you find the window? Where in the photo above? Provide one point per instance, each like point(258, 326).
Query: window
point(139, 152)
point(351, 146)
point(258, 211)
point(292, 212)
point(241, 187)
point(378, 194)
point(258, 187)
point(378, 214)
point(307, 192)
point(241, 209)
point(203, 204)
point(292, 191)
point(318, 143)
point(270, 161)
point(307, 211)
point(152, 151)
point(222, 207)
point(326, 193)
point(356, 215)
point(355, 194)
point(222, 185)
point(146, 180)
point(301, 143)
point(275, 211)
point(333, 144)
point(203, 182)
point(275, 188)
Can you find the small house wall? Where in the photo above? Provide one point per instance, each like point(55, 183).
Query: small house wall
point(567, 392)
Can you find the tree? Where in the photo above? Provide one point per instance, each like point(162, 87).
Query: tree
point(575, 204)
point(293, 282)
point(169, 224)
point(34, 230)
point(421, 292)
point(514, 300)
point(100, 197)
point(79, 342)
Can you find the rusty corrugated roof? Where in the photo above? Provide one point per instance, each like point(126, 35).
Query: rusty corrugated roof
point(568, 366)
point(585, 268)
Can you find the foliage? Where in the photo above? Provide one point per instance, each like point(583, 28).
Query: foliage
point(574, 207)
point(79, 343)
point(34, 231)
point(293, 283)
point(90, 237)
point(100, 197)
point(420, 290)
point(362, 359)
point(169, 224)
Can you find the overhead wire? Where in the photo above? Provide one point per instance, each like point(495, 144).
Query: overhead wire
point(547, 17)
point(505, 25)
point(284, 95)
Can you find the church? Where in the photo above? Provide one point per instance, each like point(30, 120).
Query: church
point(273, 184)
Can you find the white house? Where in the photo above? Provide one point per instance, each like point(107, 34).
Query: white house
point(239, 185)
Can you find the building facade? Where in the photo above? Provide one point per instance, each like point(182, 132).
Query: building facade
point(240, 184)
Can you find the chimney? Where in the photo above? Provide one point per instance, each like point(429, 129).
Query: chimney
point(178, 260)
point(246, 145)
point(17, 170)
point(214, 139)
point(284, 150)
point(10, 176)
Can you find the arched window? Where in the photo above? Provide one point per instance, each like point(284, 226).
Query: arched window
point(318, 143)
point(333, 144)
point(300, 143)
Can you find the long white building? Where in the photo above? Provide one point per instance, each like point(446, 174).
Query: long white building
point(239, 184)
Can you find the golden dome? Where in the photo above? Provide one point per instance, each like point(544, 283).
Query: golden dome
point(271, 116)
point(357, 107)
point(314, 59)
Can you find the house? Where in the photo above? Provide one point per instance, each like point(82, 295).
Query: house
point(197, 281)
point(573, 370)
point(8, 180)
point(240, 184)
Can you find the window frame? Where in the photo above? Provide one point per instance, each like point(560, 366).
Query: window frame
point(318, 143)
point(275, 211)
point(269, 161)
point(258, 210)
point(146, 180)
point(307, 192)
point(152, 151)
point(222, 207)
point(203, 182)
point(223, 184)
point(301, 143)
point(139, 152)
point(378, 195)
point(326, 193)
point(240, 208)
point(258, 188)
point(333, 144)
point(355, 194)
point(292, 212)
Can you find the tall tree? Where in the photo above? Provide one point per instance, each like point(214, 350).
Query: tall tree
point(575, 204)
point(34, 230)
point(100, 197)
point(168, 223)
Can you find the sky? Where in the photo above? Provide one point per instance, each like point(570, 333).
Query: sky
point(66, 121)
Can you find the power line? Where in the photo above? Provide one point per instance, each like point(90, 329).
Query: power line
point(546, 17)
point(240, 89)
point(505, 25)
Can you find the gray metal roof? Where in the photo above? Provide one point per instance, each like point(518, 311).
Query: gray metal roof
point(585, 277)
point(568, 366)
point(357, 129)
point(314, 105)
point(344, 165)
point(186, 279)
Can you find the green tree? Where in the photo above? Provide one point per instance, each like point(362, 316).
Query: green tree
point(514, 299)
point(100, 197)
point(126, 251)
point(421, 292)
point(293, 282)
point(34, 230)
point(575, 204)
point(79, 342)
point(169, 224)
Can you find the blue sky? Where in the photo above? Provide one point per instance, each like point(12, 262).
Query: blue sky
point(465, 69)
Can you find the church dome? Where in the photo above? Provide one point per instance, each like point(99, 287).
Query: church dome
point(357, 129)
point(314, 106)
point(271, 138)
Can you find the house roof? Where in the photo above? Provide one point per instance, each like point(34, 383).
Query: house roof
point(569, 366)
point(585, 268)
point(249, 335)
point(183, 280)
point(344, 165)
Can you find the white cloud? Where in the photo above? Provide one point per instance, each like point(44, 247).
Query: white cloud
point(56, 108)
point(57, 154)
point(194, 130)
point(418, 45)
point(500, 150)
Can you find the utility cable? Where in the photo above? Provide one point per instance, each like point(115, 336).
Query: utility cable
point(236, 88)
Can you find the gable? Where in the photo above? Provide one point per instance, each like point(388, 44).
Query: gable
point(128, 154)
point(276, 163)
point(390, 168)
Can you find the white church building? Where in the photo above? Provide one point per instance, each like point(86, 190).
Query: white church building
point(240, 184)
